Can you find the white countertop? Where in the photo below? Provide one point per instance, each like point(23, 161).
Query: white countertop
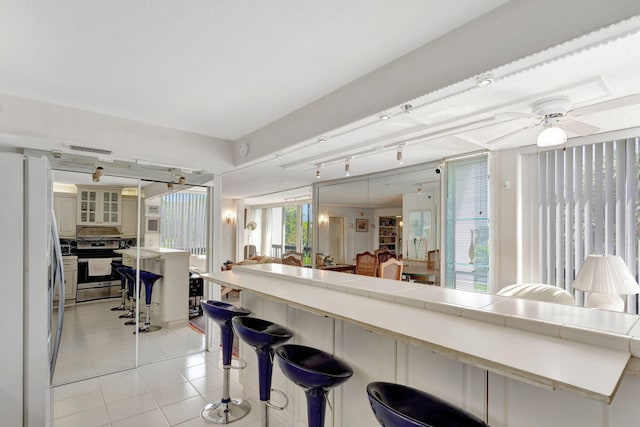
point(552, 345)
point(148, 253)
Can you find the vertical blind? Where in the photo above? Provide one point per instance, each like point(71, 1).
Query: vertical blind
point(467, 216)
point(588, 204)
point(183, 222)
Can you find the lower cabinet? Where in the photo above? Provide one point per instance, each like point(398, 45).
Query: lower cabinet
point(70, 269)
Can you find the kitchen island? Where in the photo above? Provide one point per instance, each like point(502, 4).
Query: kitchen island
point(170, 295)
point(478, 351)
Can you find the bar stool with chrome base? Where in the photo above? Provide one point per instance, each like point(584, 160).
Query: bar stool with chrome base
point(316, 372)
point(226, 410)
point(123, 287)
point(130, 276)
point(148, 279)
point(263, 335)
point(396, 405)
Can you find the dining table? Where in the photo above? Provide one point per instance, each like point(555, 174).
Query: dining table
point(421, 273)
point(343, 268)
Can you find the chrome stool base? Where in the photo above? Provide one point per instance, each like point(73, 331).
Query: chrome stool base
point(225, 413)
point(149, 328)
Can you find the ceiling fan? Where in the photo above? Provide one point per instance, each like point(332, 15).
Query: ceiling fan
point(555, 116)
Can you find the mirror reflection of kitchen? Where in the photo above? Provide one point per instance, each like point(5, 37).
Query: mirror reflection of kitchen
point(100, 233)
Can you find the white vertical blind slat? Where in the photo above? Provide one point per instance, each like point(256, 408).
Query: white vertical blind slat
point(588, 204)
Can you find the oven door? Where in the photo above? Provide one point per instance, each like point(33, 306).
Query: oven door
point(95, 286)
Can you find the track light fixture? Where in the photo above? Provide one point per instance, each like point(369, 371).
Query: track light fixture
point(95, 177)
point(399, 156)
point(170, 185)
point(182, 180)
point(419, 188)
point(99, 171)
point(347, 168)
point(318, 172)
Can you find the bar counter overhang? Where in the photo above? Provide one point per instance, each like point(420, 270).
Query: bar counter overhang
point(584, 352)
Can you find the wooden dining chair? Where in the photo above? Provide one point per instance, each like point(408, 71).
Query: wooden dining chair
point(381, 256)
point(366, 264)
point(391, 269)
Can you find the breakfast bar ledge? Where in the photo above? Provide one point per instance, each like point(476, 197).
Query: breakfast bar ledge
point(539, 343)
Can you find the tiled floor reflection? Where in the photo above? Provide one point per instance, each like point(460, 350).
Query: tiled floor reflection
point(166, 393)
point(96, 342)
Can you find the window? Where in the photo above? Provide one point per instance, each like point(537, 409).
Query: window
point(184, 222)
point(285, 228)
point(467, 232)
point(588, 204)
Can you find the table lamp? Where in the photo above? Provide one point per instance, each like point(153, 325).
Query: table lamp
point(605, 277)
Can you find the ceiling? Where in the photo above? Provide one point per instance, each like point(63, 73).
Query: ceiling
point(226, 70)
point(217, 68)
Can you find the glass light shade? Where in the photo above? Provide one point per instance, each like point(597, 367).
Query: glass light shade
point(606, 274)
point(550, 136)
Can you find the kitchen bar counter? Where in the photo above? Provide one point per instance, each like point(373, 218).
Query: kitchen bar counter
point(554, 346)
point(170, 301)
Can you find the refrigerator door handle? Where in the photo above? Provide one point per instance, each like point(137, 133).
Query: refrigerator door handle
point(58, 272)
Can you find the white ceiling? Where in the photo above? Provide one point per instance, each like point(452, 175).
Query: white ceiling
point(218, 68)
point(227, 69)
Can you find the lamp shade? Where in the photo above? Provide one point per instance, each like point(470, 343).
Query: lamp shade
point(606, 274)
point(551, 135)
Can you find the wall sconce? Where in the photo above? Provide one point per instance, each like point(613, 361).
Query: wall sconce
point(323, 220)
point(229, 218)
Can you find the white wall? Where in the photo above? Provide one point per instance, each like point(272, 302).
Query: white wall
point(356, 241)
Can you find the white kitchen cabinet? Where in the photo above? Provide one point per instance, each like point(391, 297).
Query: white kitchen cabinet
point(64, 205)
point(130, 216)
point(70, 269)
point(98, 206)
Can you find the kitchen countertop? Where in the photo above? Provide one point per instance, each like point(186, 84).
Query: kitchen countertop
point(148, 253)
point(547, 344)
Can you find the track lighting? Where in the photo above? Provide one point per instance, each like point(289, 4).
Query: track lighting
point(419, 188)
point(399, 156)
point(182, 180)
point(95, 177)
point(170, 185)
point(318, 172)
point(99, 171)
point(347, 168)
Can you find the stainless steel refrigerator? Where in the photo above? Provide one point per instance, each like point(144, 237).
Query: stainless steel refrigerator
point(31, 269)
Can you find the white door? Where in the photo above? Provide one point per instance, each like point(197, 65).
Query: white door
point(336, 239)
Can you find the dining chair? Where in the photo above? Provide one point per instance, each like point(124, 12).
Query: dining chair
point(366, 264)
point(381, 256)
point(391, 269)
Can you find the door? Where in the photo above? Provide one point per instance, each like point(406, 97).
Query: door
point(336, 239)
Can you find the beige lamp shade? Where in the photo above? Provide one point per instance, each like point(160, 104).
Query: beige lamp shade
point(606, 274)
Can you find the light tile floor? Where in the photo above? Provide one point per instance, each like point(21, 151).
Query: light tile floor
point(166, 393)
point(96, 384)
point(96, 342)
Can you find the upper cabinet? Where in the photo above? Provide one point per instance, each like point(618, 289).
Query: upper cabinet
point(64, 205)
point(98, 206)
point(130, 216)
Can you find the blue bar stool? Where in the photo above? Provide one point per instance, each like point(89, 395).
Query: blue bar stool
point(316, 372)
point(226, 410)
point(130, 275)
point(263, 335)
point(148, 279)
point(396, 405)
point(123, 286)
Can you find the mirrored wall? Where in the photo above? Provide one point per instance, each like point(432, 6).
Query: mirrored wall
point(397, 210)
point(112, 220)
